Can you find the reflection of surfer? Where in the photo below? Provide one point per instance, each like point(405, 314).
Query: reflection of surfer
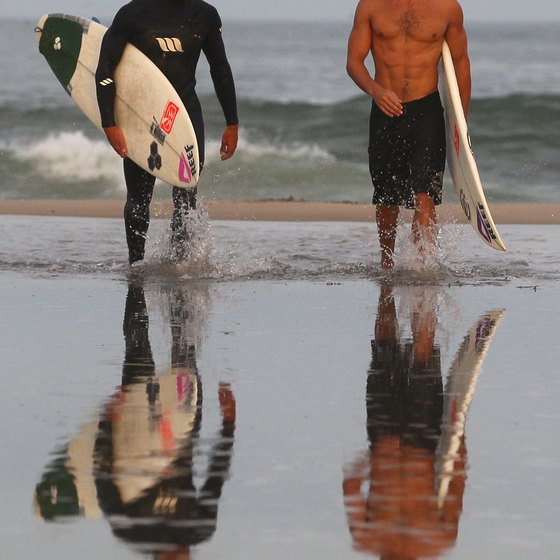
point(148, 441)
point(145, 443)
point(399, 517)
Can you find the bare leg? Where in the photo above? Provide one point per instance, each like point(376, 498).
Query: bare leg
point(424, 220)
point(386, 324)
point(423, 325)
point(386, 217)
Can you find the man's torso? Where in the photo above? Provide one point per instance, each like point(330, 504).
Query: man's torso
point(407, 37)
point(171, 33)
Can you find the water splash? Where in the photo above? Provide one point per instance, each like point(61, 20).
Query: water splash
point(190, 259)
point(419, 261)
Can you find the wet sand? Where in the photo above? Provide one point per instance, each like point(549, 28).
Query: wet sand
point(103, 370)
point(296, 357)
point(277, 210)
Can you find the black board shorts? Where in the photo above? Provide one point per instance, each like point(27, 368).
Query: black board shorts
point(404, 398)
point(407, 153)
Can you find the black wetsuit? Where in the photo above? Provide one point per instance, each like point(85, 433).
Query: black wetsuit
point(172, 33)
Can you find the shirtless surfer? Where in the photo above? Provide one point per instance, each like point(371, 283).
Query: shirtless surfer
point(407, 129)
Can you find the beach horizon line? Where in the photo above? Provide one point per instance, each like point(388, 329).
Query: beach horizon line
point(286, 210)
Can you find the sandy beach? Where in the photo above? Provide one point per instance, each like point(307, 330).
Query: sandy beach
point(275, 210)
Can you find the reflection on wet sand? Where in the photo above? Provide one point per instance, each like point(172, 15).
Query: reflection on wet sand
point(135, 464)
point(404, 496)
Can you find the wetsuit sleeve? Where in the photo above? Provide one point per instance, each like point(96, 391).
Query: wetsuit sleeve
point(112, 48)
point(220, 71)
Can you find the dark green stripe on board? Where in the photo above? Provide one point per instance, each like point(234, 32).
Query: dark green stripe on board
point(60, 44)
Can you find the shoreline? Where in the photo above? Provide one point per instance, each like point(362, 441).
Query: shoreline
point(273, 210)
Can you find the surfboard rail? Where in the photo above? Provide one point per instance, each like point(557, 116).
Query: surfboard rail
point(460, 158)
point(459, 391)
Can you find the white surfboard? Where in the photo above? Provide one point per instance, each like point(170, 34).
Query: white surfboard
point(145, 445)
point(158, 131)
point(459, 391)
point(460, 158)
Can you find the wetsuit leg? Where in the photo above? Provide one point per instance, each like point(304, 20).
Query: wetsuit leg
point(138, 360)
point(185, 199)
point(139, 188)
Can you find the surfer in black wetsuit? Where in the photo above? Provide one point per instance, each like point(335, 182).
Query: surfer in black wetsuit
point(172, 33)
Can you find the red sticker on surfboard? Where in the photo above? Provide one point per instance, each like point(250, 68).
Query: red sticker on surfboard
point(456, 140)
point(168, 117)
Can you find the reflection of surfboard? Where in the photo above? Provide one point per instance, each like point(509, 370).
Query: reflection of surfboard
point(459, 391)
point(151, 424)
point(149, 434)
point(159, 133)
point(460, 158)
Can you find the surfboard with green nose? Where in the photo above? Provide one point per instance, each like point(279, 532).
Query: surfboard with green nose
point(71, 45)
point(159, 134)
point(60, 42)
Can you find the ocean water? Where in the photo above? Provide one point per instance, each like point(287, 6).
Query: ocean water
point(231, 251)
point(222, 409)
point(303, 122)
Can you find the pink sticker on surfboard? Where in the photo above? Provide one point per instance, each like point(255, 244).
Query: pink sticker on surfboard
point(185, 175)
point(187, 167)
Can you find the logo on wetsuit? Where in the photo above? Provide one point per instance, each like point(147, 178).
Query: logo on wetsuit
point(170, 44)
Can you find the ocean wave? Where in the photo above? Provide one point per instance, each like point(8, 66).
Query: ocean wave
point(71, 156)
point(298, 150)
point(341, 128)
point(61, 165)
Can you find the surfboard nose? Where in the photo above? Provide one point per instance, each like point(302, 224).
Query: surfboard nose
point(39, 27)
point(60, 41)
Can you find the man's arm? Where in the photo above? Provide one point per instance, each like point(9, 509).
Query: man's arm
point(456, 38)
point(359, 46)
point(112, 48)
point(222, 78)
